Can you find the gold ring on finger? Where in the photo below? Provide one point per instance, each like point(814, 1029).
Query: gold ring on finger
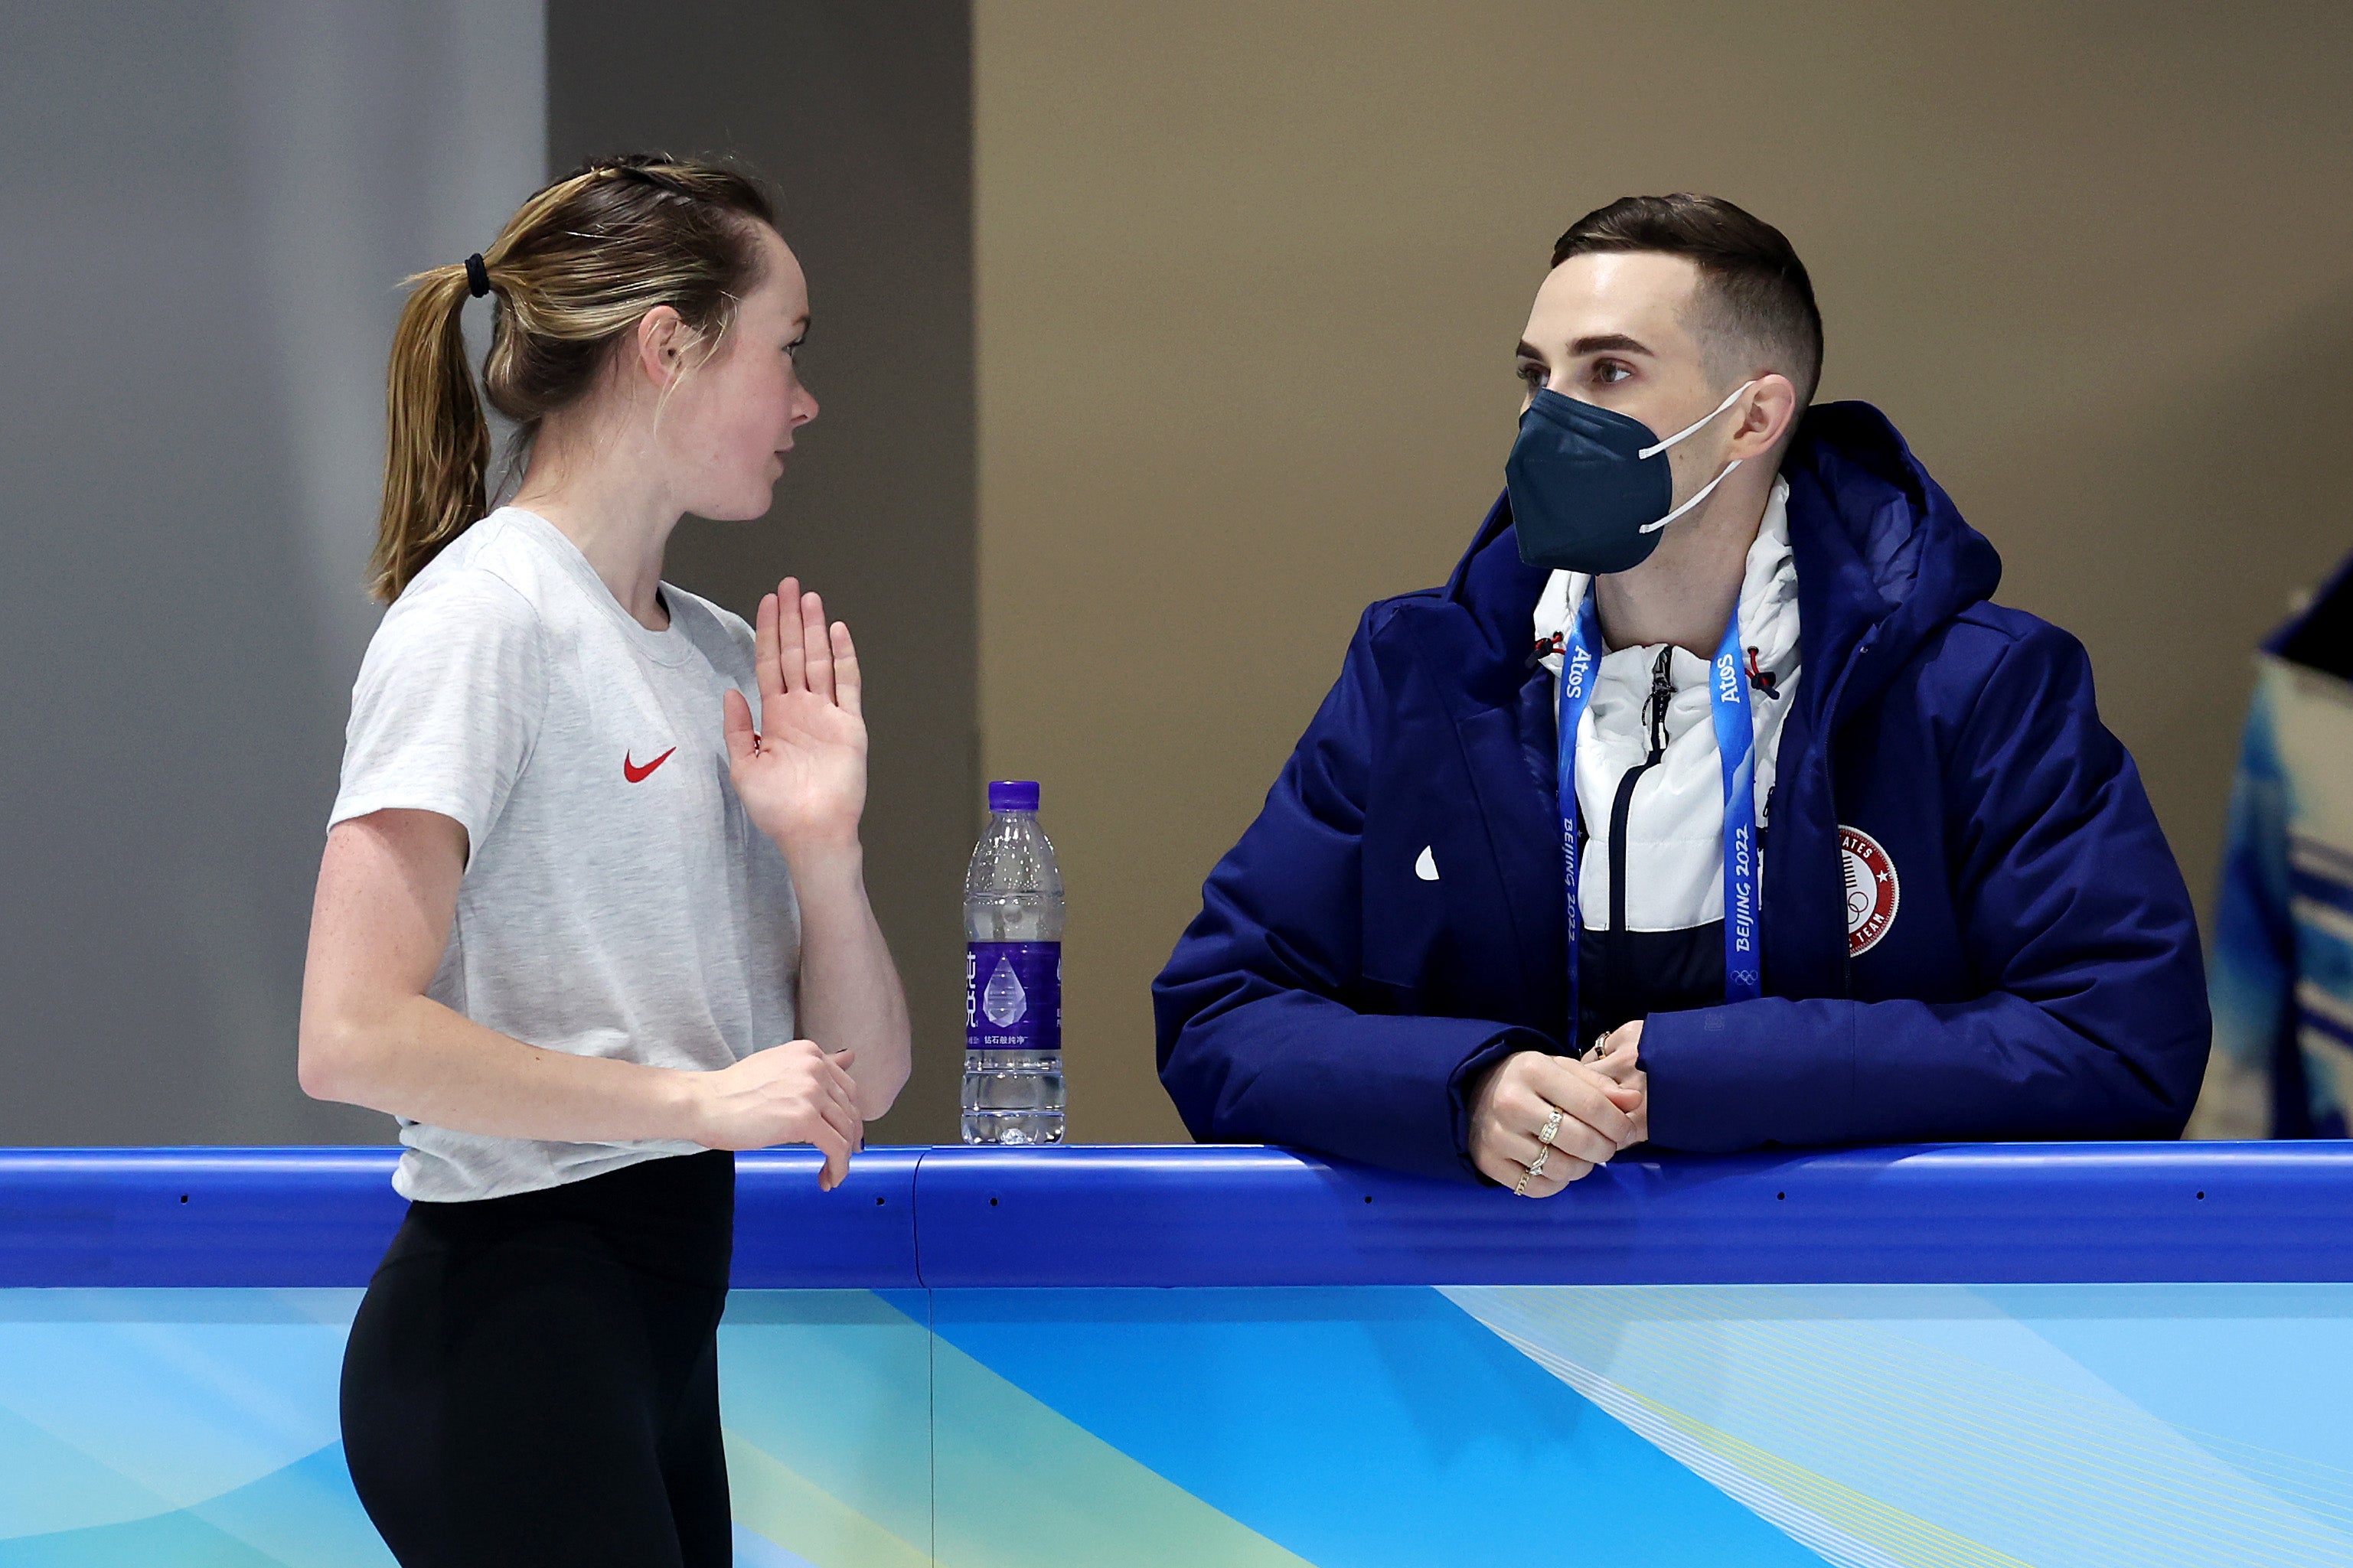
point(1522, 1190)
point(1536, 1168)
point(1551, 1128)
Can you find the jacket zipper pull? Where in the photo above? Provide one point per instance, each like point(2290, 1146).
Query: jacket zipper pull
point(1662, 693)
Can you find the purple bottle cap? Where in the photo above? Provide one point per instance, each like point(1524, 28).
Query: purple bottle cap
point(1013, 795)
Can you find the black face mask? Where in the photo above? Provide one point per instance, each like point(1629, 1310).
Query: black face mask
point(1591, 489)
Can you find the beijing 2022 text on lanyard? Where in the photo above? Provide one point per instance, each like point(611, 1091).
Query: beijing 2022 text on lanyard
point(1735, 747)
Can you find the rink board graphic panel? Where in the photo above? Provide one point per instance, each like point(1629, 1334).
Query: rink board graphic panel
point(1864, 1425)
point(2047, 1354)
point(1355, 1425)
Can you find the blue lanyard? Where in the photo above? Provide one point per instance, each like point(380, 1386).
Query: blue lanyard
point(1736, 748)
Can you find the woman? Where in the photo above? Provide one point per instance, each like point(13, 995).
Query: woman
point(581, 925)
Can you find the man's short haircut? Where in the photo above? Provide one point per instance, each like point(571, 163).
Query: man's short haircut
point(1754, 292)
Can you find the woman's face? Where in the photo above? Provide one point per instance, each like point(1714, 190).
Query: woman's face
point(725, 425)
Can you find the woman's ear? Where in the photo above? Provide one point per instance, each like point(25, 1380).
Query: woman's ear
point(663, 340)
point(1772, 412)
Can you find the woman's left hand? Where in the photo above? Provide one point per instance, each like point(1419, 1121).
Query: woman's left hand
point(802, 772)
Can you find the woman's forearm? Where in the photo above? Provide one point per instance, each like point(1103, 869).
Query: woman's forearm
point(411, 1057)
point(850, 998)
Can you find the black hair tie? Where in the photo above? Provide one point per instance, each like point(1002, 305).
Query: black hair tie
point(478, 277)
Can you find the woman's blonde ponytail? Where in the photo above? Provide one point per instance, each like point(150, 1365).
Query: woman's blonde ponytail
point(571, 275)
point(438, 451)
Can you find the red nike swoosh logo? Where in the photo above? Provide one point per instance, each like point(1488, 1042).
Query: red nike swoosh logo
point(636, 775)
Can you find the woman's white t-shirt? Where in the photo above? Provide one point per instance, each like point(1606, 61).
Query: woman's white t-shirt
point(617, 900)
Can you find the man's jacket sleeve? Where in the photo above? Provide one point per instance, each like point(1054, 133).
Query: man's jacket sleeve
point(2093, 1024)
point(1257, 1041)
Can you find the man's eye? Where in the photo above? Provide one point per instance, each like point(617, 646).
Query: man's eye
point(1610, 372)
point(1532, 374)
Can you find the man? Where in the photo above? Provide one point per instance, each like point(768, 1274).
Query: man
point(1849, 855)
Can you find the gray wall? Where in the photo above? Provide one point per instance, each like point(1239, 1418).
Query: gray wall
point(204, 213)
point(862, 117)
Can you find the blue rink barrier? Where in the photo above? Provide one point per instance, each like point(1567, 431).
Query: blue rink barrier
point(2046, 1354)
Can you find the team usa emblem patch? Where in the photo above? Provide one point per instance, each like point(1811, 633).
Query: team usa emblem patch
point(1873, 891)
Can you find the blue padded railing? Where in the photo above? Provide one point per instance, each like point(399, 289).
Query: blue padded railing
point(944, 1218)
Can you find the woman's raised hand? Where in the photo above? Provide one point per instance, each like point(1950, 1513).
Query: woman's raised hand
point(802, 771)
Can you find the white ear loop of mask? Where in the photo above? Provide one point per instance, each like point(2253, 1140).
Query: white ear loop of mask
point(1710, 486)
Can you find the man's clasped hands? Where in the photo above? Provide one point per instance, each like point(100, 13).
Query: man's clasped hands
point(1539, 1122)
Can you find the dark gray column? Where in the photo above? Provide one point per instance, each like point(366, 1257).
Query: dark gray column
point(860, 116)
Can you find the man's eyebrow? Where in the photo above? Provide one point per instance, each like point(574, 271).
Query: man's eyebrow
point(1603, 343)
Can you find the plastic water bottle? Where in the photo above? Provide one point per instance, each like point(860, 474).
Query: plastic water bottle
point(1013, 977)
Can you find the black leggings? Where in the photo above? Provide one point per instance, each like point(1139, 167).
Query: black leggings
point(534, 1379)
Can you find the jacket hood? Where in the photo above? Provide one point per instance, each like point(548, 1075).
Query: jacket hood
point(1884, 557)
